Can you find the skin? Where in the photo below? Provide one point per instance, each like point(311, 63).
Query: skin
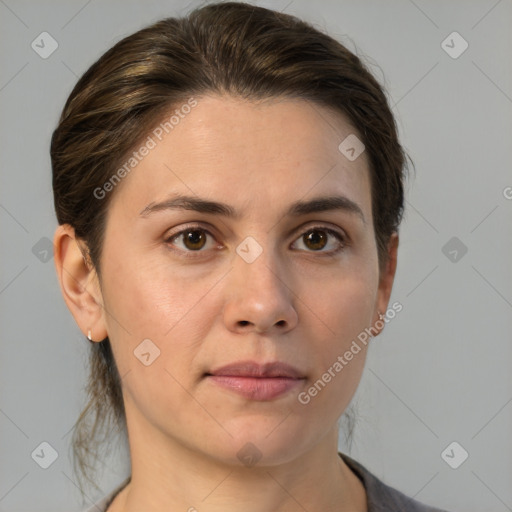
point(295, 303)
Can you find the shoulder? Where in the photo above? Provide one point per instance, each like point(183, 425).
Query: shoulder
point(381, 497)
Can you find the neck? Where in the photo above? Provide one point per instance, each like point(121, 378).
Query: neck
point(166, 476)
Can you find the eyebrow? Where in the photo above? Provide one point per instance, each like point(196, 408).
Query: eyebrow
point(296, 209)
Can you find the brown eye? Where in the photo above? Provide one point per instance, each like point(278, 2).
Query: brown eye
point(194, 239)
point(322, 240)
point(315, 239)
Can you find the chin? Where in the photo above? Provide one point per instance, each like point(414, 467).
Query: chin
point(261, 443)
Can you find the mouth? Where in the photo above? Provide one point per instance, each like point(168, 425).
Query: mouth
point(261, 382)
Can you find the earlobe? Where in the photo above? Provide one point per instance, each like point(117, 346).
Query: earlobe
point(79, 283)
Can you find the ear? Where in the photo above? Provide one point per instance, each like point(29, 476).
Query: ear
point(79, 283)
point(386, 279)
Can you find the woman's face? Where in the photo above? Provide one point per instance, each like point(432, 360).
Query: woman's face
point(286, 270)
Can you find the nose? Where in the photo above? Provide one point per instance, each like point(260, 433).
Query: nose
point(259, 299)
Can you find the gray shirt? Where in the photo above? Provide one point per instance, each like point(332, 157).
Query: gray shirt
point(380, 497)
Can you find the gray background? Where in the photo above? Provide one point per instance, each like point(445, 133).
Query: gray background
point(441, 370)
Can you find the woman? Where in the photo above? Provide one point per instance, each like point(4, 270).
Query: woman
point(228, 188)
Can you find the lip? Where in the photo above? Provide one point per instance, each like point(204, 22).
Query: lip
point(257, 381)
point(253, 369)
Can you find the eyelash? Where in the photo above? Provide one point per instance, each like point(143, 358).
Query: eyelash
point(341, 238)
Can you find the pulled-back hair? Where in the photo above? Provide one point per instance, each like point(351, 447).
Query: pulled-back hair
point(228, 48)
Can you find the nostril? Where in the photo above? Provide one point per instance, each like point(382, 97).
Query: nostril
point(243, 322)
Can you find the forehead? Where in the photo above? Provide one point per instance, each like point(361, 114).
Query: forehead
point(243, 151)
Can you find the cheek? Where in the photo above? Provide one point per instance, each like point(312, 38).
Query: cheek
point(346, 304)
point(150, 296)
point(147, 302)
point(337, 374)
point(153, 301)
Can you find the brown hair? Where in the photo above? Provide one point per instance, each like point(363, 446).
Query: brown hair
point(223, 48)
